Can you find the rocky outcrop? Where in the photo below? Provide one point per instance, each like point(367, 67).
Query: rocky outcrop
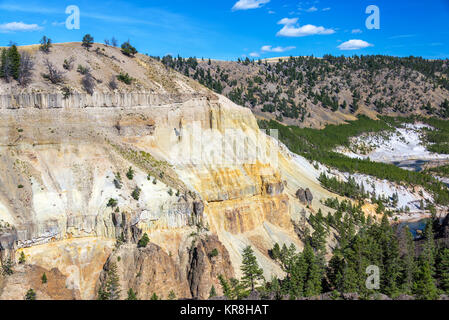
point(208, 259)
point(190, 274)
point(25, 277)
point(304, 196)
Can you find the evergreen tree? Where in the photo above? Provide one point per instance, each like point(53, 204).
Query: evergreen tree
point(171, 295)
point(408, 263)
point(30, 295)
point(45, 44)
point(424, 286)
point(312, 285)
point(111, 289)
point(22, 258)
point(44, 278)
point(212, 292)
point(443, 269)
point(250, 268)
point(88, 40)
point(154, 296)
point(131, 294)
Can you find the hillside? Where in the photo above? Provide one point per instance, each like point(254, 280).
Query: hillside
point(118, 169)
point(312, 92)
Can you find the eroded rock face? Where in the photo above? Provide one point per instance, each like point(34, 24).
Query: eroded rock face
point(146, 270)
point(15, 286)
point(208, 259)
point(150, 270)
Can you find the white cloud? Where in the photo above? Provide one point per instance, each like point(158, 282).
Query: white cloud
point(58, 24)
point(271, 12)
point(276, 49)
point(254, 54)
point(354, 44)
point(18, 27)
point(356, 31)
point(292, 29)
point(249, 4)
point(326, 9)
point(312, 9)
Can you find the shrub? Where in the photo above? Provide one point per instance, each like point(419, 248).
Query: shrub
point(26, 66)
point(45, 44)
point(130, 173)
point(213, 253)
point(66, 92)
point(44, 278)
point(128, 49)
point(125, 78)
point(136, 193)
point(30, 295)
point(112, 203)
point(83, 70)
point(143, 242)
point(88, 83)
point(68, 63)
point(112, 83)
point(54, 75)
point(22, 258)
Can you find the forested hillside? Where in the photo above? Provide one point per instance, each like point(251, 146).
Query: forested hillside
point(309, 91)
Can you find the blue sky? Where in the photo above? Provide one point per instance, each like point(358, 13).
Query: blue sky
point(228, 29)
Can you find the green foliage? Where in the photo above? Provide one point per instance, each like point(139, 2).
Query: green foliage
point(130, 173)
point(7, 268)
point(44, 278)
point(88, 40)
point(30, 295)
point(233, 289)
point(213, 253)
point(128, 49)
point(212, 292)
point(131, 295)
point(136, 193)
point(318, 145)
point(154, 297)
point(250, 269)
point(171, 295)
point(125, 78)
point(22, 258)
point(443, 269)
point(110, 290)
point(45, 44)
point(112, 203)
point(143, 242)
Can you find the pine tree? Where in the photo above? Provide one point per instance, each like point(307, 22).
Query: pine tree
point(88, 40)
point(312, 285)
point(44, 278)
point(212, 292)
point(132, 295)
point(171, 295)
point(443, 269)
point(250, 268)
point(111, 290)
point(154, 296)
point(429, 245)
point(408, 263)
point(22, 258)
point(424, 286)
point(14, 58)
point(30, 295)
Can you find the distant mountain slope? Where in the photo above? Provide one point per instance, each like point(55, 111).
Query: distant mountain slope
point(308, 91)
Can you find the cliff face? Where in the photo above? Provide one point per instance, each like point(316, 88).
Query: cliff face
point(204, 178)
